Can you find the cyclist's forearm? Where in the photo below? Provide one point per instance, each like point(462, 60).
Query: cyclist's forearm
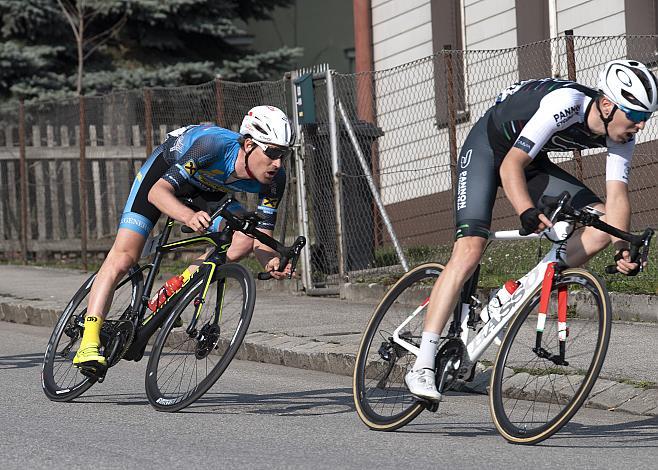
point(514, 182)
point(162, 196)
point(618, 209)
point(262, 252)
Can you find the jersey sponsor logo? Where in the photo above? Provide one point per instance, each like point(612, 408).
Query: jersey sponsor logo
point(128, 220)
point(524, 144)
point(190, 167)
point(270, 202)
point(461, 190)
point(564, 115)
point(465, 160)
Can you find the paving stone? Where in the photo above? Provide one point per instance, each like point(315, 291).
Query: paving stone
point(646, 401)
point(614, 396)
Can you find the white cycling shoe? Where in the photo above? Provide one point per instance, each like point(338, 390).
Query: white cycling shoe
point(422, 383)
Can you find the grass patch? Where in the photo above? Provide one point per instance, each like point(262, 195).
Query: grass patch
point(641, 384)
point(513, 259)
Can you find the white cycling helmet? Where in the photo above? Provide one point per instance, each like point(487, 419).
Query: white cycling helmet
point(268, 125)
point(629, 84)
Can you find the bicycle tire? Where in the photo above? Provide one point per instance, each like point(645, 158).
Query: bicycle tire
point(60, 380)
point(166, 373)
point(381, 398)
point(518, 401)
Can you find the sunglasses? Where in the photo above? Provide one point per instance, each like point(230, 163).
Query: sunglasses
point(635, 116)
point(272, 151)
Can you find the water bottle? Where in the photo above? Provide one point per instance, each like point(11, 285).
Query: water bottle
point(167, 290)
point(500, 298)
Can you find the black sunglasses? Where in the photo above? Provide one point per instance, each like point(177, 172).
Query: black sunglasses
point(634, 115)
point(272, 151)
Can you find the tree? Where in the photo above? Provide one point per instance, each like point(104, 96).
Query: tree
point(162, 43)
point(80, 14)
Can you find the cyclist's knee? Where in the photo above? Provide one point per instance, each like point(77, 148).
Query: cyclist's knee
point(119, 261)
point(466, 254)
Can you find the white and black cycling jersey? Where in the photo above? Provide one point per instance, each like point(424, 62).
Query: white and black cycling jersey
point(549, 115)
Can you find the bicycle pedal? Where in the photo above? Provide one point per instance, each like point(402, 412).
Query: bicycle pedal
point(432, 406)
point(95, 371)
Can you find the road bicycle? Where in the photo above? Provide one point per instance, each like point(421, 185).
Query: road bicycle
point(199, 328)
point(555, 330)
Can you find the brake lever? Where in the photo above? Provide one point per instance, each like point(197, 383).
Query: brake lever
point(644, 257)
point(636, 255)
point(291, 256)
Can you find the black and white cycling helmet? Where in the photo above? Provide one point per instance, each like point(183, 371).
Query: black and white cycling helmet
point(629, 84)
point(268, 125)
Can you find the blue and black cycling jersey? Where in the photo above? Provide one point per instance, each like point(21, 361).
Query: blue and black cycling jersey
point(199, 158)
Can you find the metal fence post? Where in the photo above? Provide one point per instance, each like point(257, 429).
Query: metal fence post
point(452, 115)
point(336, 171)
point(571, 75)
point(302, 209)
point(82, 183)
point(23, 177)
point(148, 121)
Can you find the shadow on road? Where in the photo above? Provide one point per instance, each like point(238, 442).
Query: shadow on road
point(306, 403)
point(21, 361)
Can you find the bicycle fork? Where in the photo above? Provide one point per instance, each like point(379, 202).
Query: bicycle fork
point(563, 330)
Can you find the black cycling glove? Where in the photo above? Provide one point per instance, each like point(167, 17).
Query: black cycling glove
point(530, 220)
point(620, 255)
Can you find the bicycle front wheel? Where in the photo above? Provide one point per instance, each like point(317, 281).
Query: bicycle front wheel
point(382, 400)
point(534, 392)
point(187, 360)
point(59, 379)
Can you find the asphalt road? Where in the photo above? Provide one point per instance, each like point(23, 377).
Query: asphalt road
point(264, 416)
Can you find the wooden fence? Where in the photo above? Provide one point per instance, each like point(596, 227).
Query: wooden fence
point(53, 185)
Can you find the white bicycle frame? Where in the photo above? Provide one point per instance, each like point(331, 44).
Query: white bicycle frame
point(497, 321)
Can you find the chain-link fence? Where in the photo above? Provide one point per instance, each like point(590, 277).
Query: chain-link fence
point(400, 133)
point(410, 122)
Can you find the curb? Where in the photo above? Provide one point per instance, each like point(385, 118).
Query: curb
point(339, 359)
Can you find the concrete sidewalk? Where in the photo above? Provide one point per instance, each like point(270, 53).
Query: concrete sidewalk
point(323, 333)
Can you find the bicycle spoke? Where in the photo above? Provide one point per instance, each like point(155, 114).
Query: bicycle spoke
point(531, 407)
point(187, 361)
point(382, 399)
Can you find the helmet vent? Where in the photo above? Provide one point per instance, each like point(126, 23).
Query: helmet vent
point(632, 99)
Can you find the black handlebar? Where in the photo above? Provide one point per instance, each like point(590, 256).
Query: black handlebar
point(240, 220)
point(560, 209)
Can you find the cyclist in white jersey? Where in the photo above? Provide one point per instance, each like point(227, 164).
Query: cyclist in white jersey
point(508, 147)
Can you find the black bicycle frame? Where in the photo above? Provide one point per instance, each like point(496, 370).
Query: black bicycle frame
point(146, 326)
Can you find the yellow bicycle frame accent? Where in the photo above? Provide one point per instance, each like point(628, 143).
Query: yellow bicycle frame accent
point(191, 241)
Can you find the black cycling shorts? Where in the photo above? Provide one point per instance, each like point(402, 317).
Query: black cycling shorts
point(478, 179)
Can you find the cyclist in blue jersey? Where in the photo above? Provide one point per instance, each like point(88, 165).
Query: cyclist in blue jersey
point(198, 159)
point(508, 147)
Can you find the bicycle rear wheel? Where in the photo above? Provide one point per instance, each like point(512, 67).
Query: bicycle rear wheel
point(534, 395)
point(382, 400)
point(184, 364)
point(59, 379)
